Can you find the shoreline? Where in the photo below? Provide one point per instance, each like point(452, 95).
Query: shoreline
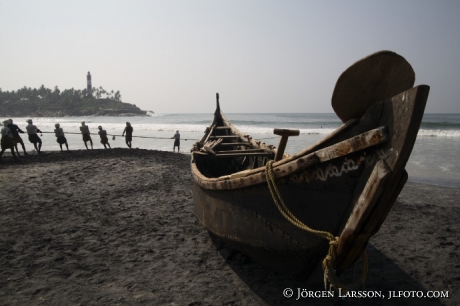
point(414, 180)
point(118, 226)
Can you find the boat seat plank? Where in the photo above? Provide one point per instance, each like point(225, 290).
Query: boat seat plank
point(244, 154)
point(240, 151)
point(227, 144)
point(225, 137)
point(224, 127)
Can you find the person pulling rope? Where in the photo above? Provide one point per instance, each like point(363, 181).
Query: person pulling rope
point(132, 136)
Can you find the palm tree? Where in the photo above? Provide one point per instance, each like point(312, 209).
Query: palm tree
point(118, 96)
point(98, 93)
point(42, 92)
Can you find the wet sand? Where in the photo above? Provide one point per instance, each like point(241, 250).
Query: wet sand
point(117, 227)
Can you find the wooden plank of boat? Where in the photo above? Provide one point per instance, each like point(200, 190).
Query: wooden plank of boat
point(356, 235)
point(209, 146)
point(362, 210)
point(374, 78)
point(209, 150)
point(209, 134)
point(236, 153)
point(240, 151)
point(216, 143)
point(225, 137)
point(242, 154)
point(213, 143)
point(225, 127)
point(228, 144)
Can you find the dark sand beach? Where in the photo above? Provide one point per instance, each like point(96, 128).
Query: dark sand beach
point(117, 227)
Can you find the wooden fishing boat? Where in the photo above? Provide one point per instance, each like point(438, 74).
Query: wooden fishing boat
point(264, 202)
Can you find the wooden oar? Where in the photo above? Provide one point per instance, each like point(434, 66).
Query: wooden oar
point(374, 78)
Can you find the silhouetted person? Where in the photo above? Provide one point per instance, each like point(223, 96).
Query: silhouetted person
point(104, 139)
point(60, 138)
point(15, 130)
point(32, 130)
point(7, 141)
point(176, 142)
point(129, 134)
point(86, 136)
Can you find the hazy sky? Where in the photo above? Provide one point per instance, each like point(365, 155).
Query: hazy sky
point(261, 56)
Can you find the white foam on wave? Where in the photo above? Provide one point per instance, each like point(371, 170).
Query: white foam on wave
point(438, 133)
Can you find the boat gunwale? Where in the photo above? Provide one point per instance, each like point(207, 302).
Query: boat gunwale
point(296, 163)
point(257, 175)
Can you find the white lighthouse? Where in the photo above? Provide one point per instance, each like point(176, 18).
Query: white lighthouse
point(89, 87)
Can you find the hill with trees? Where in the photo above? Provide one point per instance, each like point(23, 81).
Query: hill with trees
point(44, 102)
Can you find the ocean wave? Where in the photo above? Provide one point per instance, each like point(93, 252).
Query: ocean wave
point(256, 125)
point(441, 125)
point(438, 133)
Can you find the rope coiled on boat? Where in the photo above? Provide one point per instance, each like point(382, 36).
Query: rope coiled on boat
point(329, 261)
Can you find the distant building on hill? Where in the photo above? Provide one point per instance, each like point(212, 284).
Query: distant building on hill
point(89, 87)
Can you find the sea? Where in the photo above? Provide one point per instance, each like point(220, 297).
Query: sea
point(434, 159)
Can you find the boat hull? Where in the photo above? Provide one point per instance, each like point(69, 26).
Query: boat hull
point(344, 185)
point(249, 220)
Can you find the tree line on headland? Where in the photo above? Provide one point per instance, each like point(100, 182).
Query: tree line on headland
point(45, 102)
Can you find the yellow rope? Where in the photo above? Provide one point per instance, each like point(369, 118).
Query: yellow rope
point(328, 262)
